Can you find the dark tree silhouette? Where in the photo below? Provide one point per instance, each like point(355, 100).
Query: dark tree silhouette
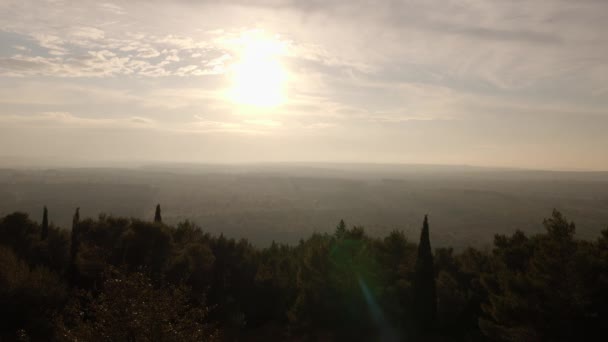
point(128, 279)
point(76, 217)
point(45, 224)
point(157, 217)
point(425, 297)
point(74, 245)
point(341, 229)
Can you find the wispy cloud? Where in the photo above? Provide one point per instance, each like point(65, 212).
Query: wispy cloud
point(366, 75)
point(69, 119)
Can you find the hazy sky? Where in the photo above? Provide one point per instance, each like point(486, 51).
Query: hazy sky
point(500, 83)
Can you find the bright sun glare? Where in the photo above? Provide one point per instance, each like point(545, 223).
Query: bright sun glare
point(258, 78)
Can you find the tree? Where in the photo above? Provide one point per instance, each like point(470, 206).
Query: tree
point(146, 245)
point(74, 244)
point(45, 224)
point(340, 229)
point(397, 256)
point(21, 234)
point(425, 297)
point(157, 216)
point(28, 297)
point(179, 283)
point(131, 308)
point(549, 293)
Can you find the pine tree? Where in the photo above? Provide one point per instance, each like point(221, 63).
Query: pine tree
point(425, 297)
point(157, 217)
point(45, 224)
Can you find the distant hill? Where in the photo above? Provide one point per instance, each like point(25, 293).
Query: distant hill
point(287, 201)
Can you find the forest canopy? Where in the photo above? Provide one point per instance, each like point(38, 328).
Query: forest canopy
point(117, 278)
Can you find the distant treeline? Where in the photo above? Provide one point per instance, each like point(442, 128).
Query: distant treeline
point(288, 203)
point(121, 279)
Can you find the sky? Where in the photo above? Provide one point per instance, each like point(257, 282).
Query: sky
point(488, 83)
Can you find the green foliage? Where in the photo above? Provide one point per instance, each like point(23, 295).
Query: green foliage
point(20, 233)
point(275, 282)
point(135, 280)
point(545, 287)
point(341, 283)
point(130, 308)
point(28, 297)
point(23, 236)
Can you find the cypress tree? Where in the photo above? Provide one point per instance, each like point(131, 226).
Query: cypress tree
point(74, 246)
point(45, 224)
point(341, 229)
point(425, 297)
point(76, 217)
point(157, 217)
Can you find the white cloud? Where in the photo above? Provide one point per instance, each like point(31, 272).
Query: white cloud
point(141, 120)
point(113, 8)
point(86, 33)
point(69, 119)
point(147, 52)
point(264, 122)
point(183, 71)
point(172, 58)
point(369, 67)
point(320, 125)
point(49, 41)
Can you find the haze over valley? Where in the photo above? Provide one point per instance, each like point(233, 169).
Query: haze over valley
point(286, 202)
point(304, 170)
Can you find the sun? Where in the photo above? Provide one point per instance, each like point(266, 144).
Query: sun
point(259, 77)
